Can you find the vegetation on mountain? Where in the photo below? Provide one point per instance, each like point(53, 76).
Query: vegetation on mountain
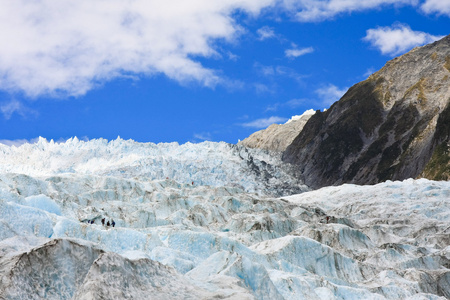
point(392, 126)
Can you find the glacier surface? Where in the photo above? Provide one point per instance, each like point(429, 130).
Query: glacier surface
point(209, 221)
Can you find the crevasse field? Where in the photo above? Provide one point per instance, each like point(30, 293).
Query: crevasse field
point(209, 221)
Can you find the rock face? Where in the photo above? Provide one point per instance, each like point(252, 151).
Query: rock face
point(392, 126)
point(277, 137)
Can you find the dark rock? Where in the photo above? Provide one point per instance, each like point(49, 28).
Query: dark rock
point(392, 126)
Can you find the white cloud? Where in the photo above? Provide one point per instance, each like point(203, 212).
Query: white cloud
point(69, 46)
point(293, 103)
point(263, 70)
point(292, 53)
point(262, 88)
point(330, 94)
point(265, 33)
point(204, 136)
point(273, 107)
point(440, 7)
point(397, 39)
point(277, 71)
point(232, 56)
point(319, 10)
point(14, 106)
point(263, 123)
point(18, 142)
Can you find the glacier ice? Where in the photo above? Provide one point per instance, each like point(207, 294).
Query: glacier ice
point(238, 232)
point(207, 163)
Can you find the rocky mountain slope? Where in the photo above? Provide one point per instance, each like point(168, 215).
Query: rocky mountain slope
point(277, 137)
point(394, 125)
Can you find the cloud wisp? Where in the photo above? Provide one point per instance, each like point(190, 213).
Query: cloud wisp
point(264, 122)
point(316, 11)
point(18, 142)
point(277, 71)
point(295, 52)
point(330, 94)
point(292, 104)
point(16, 107)
point(204, 136)
point(265, 33)
point(68, 47)
point(397, 39)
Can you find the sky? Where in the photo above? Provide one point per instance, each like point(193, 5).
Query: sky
point(192, 70)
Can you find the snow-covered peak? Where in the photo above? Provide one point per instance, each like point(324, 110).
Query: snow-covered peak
point(278, 137)
point(308, 113)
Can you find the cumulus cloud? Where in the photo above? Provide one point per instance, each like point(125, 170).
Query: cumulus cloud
point(265, 33)
point(397, 39)
point(263, 123)
point(69, 46)
point(330, 93)
point(319, 10)
point(292, 53)
point(439, 7)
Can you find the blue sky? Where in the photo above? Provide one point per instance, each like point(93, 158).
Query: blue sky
point(192, 70)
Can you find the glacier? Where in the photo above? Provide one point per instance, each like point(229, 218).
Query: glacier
point(209, 221)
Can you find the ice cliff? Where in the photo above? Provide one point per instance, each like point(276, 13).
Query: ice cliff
point(225, 236)
point(212, 164)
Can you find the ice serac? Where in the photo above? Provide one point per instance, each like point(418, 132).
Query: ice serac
point(53, 270)
point(222, 237)
point(392, 126)
point(207, 163)
point(115, 277)
point(278, 136)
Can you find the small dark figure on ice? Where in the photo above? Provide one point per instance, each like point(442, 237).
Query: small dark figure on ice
point(103, 221)
point(107, 224)
point(113, 223)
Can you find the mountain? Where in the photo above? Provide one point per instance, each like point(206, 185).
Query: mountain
point(392, 126)
point(221, 221)
point(278, 136)
point(221, 237)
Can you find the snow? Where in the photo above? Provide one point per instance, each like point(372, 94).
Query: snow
point(213, 239)
point(207, 163)
point(308, 112)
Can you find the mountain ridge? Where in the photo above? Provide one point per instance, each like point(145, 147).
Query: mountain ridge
point(383, 128)
point(277, 137)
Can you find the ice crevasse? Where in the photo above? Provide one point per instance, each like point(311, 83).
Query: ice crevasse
point(230, 235)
